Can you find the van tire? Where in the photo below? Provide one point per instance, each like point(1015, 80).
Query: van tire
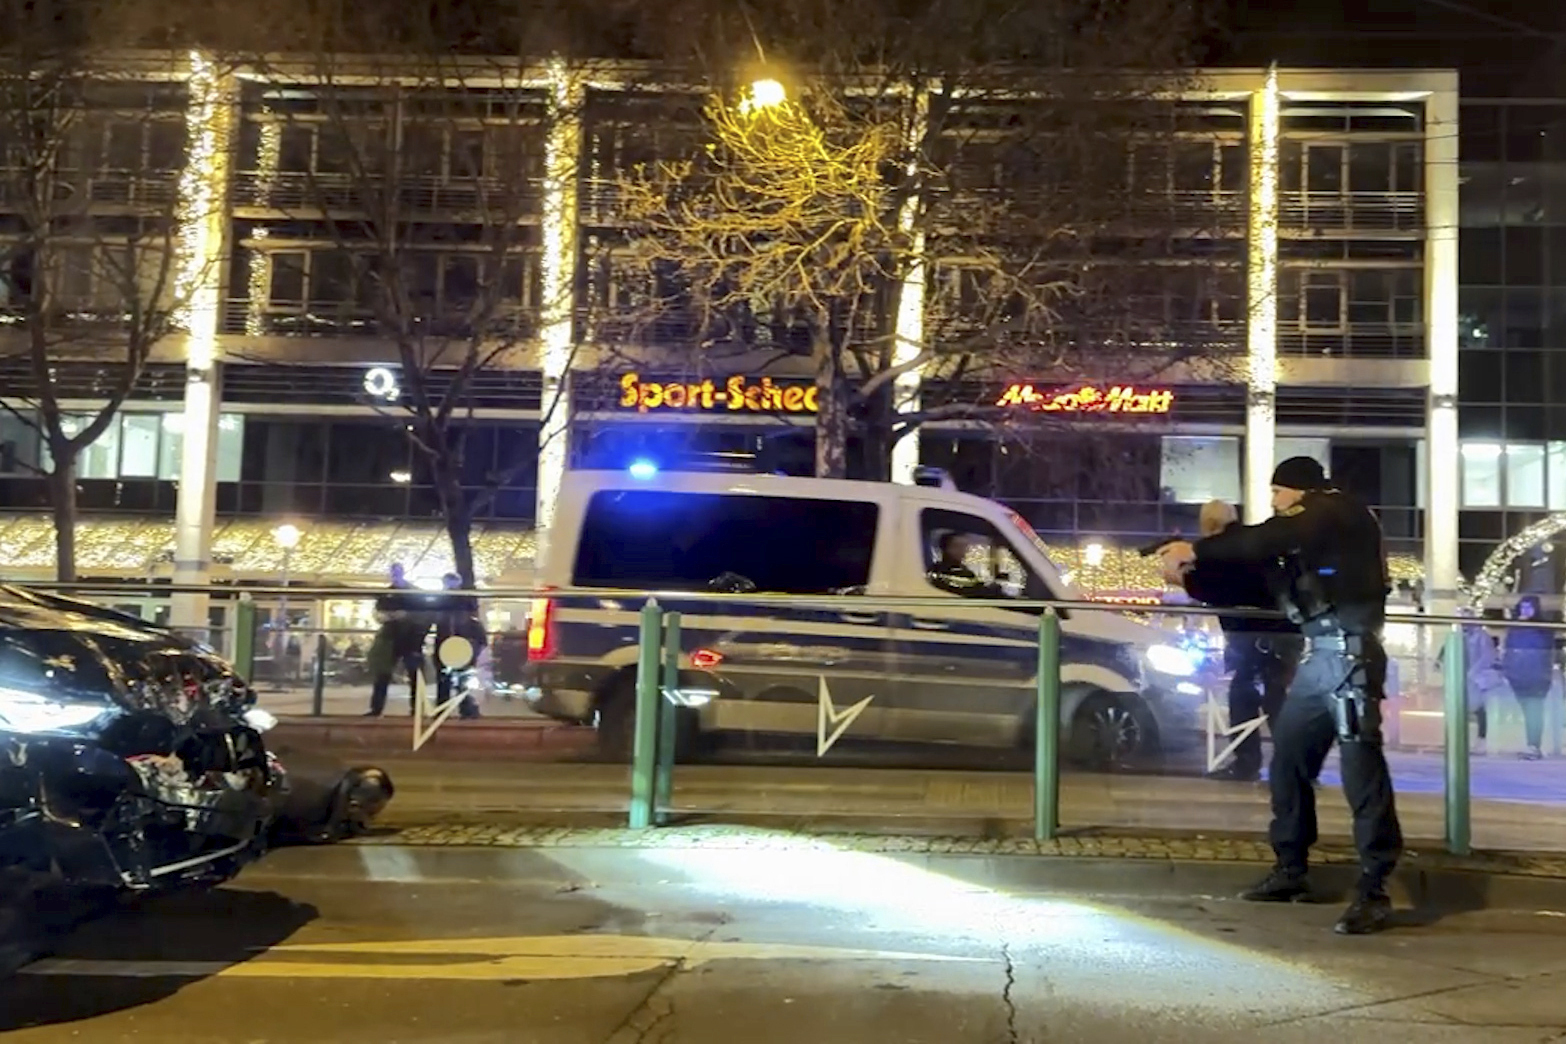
point(1110, 731)
point(617, 724)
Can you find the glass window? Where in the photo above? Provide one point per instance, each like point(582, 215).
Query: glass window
point(1323, 300)
point(230, 446)
point(1233, 168)
point(966, 555)
point(18, 445)
point(331, 277)
point(1481, 195)
point(1195, 469)
point(124, 146)
point(1480, 132)
point(1370, 166)
point(166, 145)
point(1524, 256)
point(1319, 450)
point(1555, 474)
point(1524, 475)
point(1193, 166)
point(139, 444)
point(295, 149)
point(288, 278)
point(1479, 257)
point(1482, 474)
point(685, 541)
point(1324, 168)
point(467, 154)
point(101, 460)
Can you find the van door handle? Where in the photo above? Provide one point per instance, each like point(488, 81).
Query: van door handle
point(861, 618)
point(929, 625)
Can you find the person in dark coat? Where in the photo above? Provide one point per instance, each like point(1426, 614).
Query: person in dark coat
point(1261, 653)
point(406, 620)
point(458, 618)
point(1528, 662)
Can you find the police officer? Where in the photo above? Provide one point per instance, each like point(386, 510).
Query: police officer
point(1329, 548)
point(1262, 653)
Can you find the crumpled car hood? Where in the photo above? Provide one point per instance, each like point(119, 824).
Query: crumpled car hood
point(67, 650)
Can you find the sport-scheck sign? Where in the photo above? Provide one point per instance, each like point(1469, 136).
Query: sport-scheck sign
point(737, 394)
point(1120, 398)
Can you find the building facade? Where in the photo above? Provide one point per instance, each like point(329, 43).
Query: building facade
point(1329, 213)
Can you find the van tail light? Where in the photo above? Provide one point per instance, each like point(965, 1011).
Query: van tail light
point(705, 659)
point(541, 629)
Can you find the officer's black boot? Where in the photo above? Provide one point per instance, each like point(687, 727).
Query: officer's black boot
point(1279, 886)
point(1369, 913)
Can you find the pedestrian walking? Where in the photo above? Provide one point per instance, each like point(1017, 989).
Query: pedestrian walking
point(1528, 662)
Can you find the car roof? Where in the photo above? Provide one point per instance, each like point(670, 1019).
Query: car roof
point(585, 483)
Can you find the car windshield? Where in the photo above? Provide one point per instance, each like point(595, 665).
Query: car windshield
point(1057, 580)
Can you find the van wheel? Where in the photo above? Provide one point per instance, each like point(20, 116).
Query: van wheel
point(617, 725)
point(1110, 732)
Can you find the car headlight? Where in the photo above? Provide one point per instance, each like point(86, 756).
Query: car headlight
point(29, 712)
point(1167, 659)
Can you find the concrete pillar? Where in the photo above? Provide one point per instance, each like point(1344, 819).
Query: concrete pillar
point(1443, 476)
point(203, 231)
point(908, 333)
point(562, 155)
point(1261, 420)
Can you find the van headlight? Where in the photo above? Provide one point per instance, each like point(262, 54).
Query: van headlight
point(29, 712)
point(1168, 659)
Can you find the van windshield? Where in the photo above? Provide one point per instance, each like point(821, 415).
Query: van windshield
point(1055, 578)
point(673, 541)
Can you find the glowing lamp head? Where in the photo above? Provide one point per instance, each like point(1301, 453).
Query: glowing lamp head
point(642, 470)
point(287, 536)
point(1093, 554)
point(762, 95)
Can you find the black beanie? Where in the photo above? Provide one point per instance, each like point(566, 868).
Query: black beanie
point(1301, 473)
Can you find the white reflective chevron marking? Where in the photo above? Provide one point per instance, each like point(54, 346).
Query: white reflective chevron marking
point(828, 716)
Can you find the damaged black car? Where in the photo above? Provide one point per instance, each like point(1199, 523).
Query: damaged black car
point(134, 759)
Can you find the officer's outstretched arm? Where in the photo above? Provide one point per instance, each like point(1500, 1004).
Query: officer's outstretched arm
point(1279, 535)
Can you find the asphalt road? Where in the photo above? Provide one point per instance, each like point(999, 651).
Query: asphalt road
point(461, 946)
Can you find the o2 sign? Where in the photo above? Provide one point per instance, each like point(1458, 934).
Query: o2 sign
point(380, 382)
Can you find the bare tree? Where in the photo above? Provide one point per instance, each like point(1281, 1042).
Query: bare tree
point(410, 187)
point(1015, 164)
point(93, 267)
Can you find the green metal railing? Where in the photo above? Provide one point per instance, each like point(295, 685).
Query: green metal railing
point(658, 664)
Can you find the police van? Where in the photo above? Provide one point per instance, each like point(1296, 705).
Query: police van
point(941, 672)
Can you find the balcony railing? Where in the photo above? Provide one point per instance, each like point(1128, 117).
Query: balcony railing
point(347, 320)
point(1195, 211)
point(1353, 211)
point(154, 192)
point(1359, 341)
point(289, 192)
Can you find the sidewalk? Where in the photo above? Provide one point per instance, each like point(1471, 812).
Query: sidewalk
point(993, 805)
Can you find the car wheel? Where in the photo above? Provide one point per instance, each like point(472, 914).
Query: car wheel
point(617, 725)
point(1111, 731)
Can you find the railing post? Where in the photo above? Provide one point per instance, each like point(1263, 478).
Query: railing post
point(245, 639)
point(1046, 745)
point(1455, 690)
point(318, 678)
point(663, 787)
point(644, 746)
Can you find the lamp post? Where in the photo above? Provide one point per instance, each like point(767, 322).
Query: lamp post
point(287, 537)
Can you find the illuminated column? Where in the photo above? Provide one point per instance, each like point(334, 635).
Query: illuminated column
point(561, 155)
point(1442, 475)
point(908, 333)
point(1261, 393)
point(203, 228)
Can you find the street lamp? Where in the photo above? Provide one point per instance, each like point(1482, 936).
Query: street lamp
point(287, 537)
point(1093, 554)
point(763, 94)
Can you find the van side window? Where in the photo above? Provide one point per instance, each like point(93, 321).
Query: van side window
point(968, 556)
point(664, 540)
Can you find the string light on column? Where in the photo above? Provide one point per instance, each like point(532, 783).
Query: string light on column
point(201, 185)
point(1497, 567)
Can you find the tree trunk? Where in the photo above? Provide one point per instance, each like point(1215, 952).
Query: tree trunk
point(62, 501)
point(831, 415)
point(459, 525)
point(876, 437)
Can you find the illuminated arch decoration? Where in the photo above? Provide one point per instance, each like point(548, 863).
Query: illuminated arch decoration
point(1501, 560)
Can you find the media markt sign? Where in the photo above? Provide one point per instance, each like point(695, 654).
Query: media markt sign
point(1120, 398)
point(737, 394)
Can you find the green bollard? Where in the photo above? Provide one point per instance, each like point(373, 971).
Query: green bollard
point(644, 748)
point(1455, 688)
point(663, 790)
point(245, 639)
point(1046, 741)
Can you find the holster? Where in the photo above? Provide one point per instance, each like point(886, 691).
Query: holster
point(1355, 711)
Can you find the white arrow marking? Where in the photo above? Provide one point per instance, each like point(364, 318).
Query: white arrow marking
point(828, 715)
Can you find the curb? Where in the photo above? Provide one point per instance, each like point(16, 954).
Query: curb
point(1201, 866)
point(514, 739)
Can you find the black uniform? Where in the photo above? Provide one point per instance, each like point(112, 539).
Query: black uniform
point(1329, 547)
point(1262, 653)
